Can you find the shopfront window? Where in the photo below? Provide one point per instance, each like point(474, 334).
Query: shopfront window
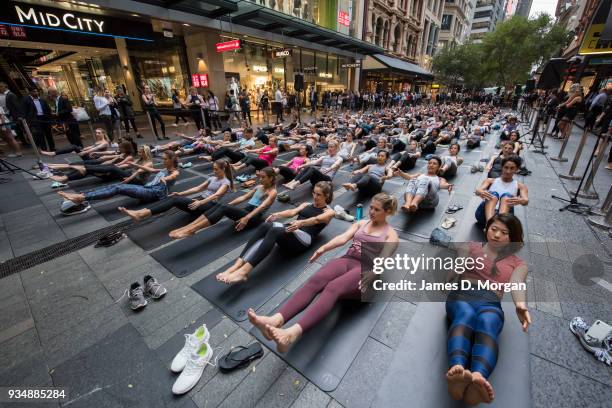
point(162, 66)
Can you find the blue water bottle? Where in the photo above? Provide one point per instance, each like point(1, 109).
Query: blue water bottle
point(359, 212)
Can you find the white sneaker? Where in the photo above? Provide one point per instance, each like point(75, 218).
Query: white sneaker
point(174, 125)
point(192, 344)
point(193, 370)
point(342, 214)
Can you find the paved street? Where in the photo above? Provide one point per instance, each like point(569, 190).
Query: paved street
point(64, 322)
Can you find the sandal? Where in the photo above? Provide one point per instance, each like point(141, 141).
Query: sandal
point(283, 198)
point(449, 222)
point(110, 239)
point(249, 183)
point(239, 357)
point(453, 208)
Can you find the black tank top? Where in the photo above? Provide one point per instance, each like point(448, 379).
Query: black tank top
point(309, 212)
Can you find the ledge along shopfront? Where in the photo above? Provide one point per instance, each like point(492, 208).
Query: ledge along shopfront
point(392, 74)
point(75, 48)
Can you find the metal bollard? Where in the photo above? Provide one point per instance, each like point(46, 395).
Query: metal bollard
point(586, 190)
point(560, 157)
point(151, 124)
point(28, 133)
point(603, 219)
point(570, 175)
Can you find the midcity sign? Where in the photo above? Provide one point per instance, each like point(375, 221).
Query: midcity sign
point(29, 15)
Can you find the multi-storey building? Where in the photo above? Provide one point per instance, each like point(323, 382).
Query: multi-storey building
point(518, 8)
point(456, 22)
point(432, 21)
point(487, 14)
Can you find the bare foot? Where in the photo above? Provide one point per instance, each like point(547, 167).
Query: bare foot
point(412, 208)
point(135, 215)
point(458, 378)
point(480, 390)
point(240, 275)
point(221, 277)
point(46, 153)
point(349, 186)
point(75, 198)
point(263, 322)
point(207, 158)
point(289, 186)
point(180, 233)
point(285, 337)
point(405, 208)
point(61, 179)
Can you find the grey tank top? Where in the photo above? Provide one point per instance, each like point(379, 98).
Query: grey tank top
point(327, 162)
point(377, 171)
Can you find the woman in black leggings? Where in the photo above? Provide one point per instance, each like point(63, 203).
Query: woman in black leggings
point(329, 165)
point(295, 237)
point(213, 189)
point(369, 179)
point(151, 107)
point(259, 199)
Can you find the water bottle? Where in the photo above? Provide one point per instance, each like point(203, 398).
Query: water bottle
point(359, 212)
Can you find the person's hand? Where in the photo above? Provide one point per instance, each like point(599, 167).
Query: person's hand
point(316, 255)
point(242, 223)
point(524, 317)
point(295, 225)
point(272, 217)
point(174, 193)
point(485, 195)
point(450, 187)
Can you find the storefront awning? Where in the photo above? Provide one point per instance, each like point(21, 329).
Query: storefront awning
point(384, 62)
point(263, 18)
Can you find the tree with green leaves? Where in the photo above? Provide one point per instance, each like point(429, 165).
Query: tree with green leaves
point(505, 56)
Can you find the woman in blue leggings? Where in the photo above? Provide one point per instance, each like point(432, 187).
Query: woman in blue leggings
point(476, 316)
point(154, 190)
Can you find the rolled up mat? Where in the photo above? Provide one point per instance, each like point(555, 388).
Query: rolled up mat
point(419, 364)
point(324, 354)
point(267, 279)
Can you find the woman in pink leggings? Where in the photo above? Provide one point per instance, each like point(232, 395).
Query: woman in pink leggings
point(339, 278)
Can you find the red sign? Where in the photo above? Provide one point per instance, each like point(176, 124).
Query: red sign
point(229, 46)
point(343, 18)
point(4, 32)
point(18, 32)
point(199, 80)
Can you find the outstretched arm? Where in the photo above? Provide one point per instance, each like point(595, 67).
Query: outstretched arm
point(519, 275)
point(337, 241)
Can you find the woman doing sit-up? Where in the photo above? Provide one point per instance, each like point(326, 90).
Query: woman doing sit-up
point(451, 162)
point(259, 199)
point(290, 169)
point(101, 143)
point(407, 159)
point(476, 316)
point(215, 187)
point(154, 190)
point(294, 237)
point(321, 169)
point(501, 194)
point(340, 278)
point(114, 169)
point(265, 157)
point(369, 179)
point(422, 189)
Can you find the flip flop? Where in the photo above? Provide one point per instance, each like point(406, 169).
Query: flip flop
point(249, 183)
point(283, 198)
point(57, 184)
point(449, 222)
point(453, 208)
point(110, 239)
point(239, 357)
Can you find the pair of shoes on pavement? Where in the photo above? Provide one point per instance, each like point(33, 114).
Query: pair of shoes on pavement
point(476, 168)
point(602, 350)
point(151, 289)
point(191, 360)
point(245, 177)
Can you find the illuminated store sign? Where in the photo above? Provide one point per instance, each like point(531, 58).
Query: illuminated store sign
point(199, 80)
point(229, 46)
point(14, 14)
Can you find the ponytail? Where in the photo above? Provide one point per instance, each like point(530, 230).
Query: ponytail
point(227, 170)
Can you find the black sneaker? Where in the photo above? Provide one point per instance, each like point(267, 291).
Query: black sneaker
point(153, 288)
point(75, 209)
point(136, 297)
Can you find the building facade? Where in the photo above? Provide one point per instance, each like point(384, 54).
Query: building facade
point(76, 47)
point(487, 14)
point(523, 8)
point(456, 22)
point(432, 21)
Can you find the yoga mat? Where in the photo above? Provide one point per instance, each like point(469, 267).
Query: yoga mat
point(419, 363)
point(423, 221)
point(153, 233)
point(303, 192)
point(185, 256)
point(109, 211)
point(268, 278)
point(324, 354)
point(92, 182)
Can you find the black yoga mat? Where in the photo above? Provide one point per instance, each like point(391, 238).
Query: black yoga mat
point(419, 363)
point(109, 211)
point(421, 222)
point(324, 354)
point(154, 232)
point(92, 182)
point(303, 192)
point(269, 277)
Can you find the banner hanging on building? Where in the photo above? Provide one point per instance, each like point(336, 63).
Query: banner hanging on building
point(595, 41)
